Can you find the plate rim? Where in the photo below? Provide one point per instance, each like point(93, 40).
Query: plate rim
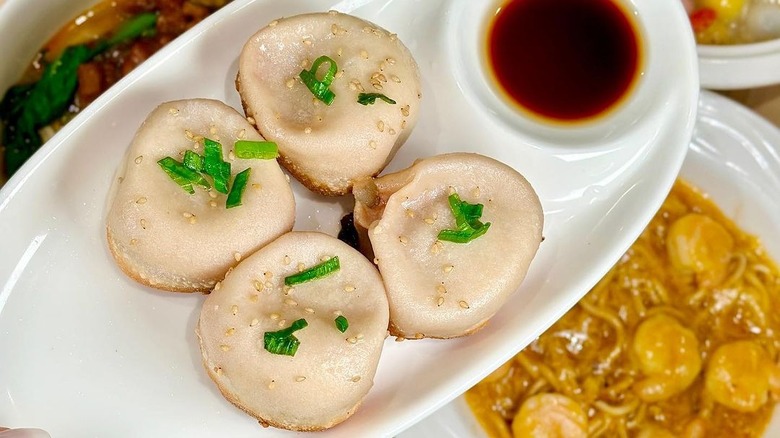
point(17, 182)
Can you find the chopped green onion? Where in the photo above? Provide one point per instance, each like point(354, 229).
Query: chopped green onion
point(193, 161)
point(465, 235)
point(341, 323)
point(140, 25)
point(465, 212)
point(466, 220)
point(183, 175)
point(215, 166)
point(237, 190)
point(320, 87)
point(370, 98)
point(283, 341)
point(264, 150)
point(313, 273)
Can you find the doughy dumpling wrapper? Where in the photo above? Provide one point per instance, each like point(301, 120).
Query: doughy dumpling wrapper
point(438, 288)
point(332, 371)
point(164, 237)
point(328, 147)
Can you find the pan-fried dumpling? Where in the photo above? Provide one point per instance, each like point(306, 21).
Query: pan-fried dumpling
point(166, 237)
point(448, 264)
point(321, 380)
point(328, 147)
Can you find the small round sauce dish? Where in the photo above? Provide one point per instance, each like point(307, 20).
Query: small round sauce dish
point(574, 73)
point(563, 61)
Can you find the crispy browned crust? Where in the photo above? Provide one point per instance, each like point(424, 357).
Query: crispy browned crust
point(395, 331)
point(129, 269)
point(310, 183)
point(265, 422)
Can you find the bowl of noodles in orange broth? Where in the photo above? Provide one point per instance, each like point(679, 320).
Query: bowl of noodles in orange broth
point(64, 55)
point(738, 42)
point(682, 337)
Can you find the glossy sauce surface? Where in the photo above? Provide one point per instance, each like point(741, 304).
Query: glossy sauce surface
point(565, 60)
point(681, 338)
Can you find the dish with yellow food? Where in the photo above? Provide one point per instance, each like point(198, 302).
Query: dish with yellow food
point(738, 42)
point(731, 160)
point(733, 21)
point(678, 339)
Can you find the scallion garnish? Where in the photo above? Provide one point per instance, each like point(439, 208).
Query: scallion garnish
point(247, 149)
point(211, 163)
point(237, 190)
point(370, 98)
point(283, 341)
point(320, 87)
point(467, 221)
point(327, 267)
point(341, 323)
point(463, 235)
point(215, 166)
point(183, 175)
point(193, 161)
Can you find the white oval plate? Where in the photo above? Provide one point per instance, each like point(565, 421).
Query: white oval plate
point(734, 159)
point(85, 351)
point(740, 66)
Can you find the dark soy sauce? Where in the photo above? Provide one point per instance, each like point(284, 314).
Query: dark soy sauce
point(566, 60)
point(348, 233)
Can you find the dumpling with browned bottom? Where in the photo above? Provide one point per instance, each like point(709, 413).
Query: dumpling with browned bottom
point(338, 94)
point(453, 236)
point(293, 334)
point(199, 189)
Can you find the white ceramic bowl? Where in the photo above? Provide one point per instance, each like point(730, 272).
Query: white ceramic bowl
point(734, 157)
point(732, 67)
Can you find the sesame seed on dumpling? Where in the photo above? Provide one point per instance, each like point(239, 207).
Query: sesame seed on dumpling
point(446, 277)
point(162, 235)
point(322, 380)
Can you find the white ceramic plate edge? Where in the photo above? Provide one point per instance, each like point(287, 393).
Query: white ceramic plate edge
point(11, 190)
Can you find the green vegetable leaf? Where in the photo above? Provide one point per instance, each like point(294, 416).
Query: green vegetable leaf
point(183, 175)
point(323, 269)
point(193, 161)
point(370, 98)
point(283, 342)
point(467, 221)
point(140, 25)
point(319, 87)
point(247, 149)
point(32, 107)
point(215, 166)
point(237, 191)
point(341, 323)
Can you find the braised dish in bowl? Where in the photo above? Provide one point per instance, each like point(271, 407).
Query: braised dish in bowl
point(678, 339)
